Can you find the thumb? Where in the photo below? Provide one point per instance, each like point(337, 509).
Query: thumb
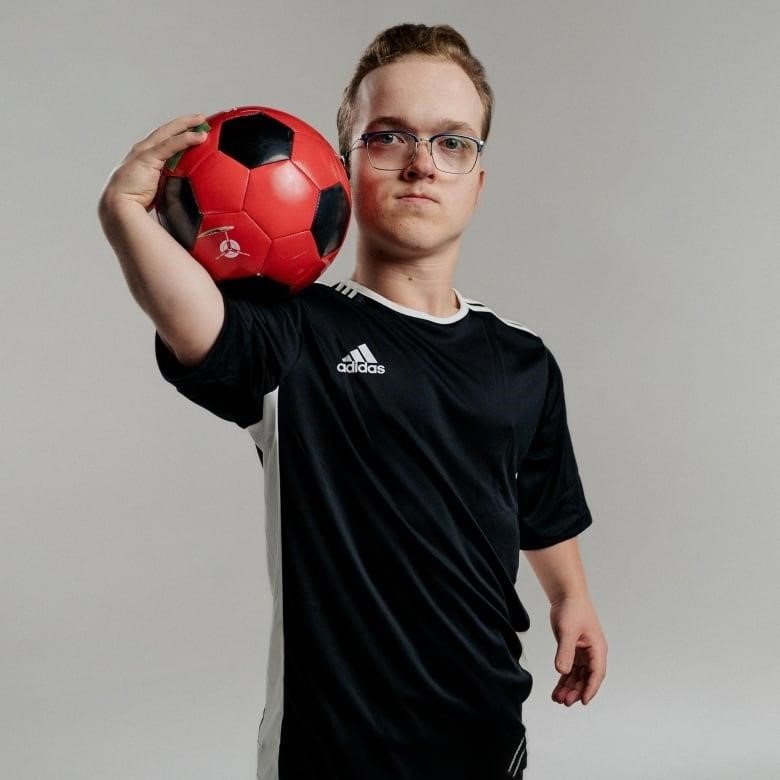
point(564, 658)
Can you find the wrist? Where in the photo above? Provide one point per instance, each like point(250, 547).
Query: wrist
point(114, 209)
point(570, 596)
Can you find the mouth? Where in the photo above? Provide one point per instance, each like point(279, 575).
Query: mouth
point(416, 197)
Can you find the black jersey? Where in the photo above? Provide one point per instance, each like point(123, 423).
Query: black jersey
point(407, 459)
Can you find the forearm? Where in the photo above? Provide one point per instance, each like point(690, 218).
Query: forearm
point(581, 658)
point(169, 285)
point(560, 571)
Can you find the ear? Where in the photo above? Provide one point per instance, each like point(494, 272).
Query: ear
point(480, 186)
point(345, 162)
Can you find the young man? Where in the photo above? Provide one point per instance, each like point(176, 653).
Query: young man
point(398, 496)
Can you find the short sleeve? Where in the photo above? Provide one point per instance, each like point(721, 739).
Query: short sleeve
point(255, 347)
point(551, 500)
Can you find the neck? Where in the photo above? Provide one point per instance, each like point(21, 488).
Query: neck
point(422, 287)
point(418, 281)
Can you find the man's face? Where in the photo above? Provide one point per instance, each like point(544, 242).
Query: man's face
point(419, 211)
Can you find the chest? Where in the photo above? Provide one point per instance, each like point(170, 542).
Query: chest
point(445, 388)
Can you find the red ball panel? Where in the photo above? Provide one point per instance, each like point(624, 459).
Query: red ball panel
point(281, 198)
point(293, 259)
point(219, 183)
point(231, 246)
point(305, 279)
point(193, 156)
point(296, 124)
point(313, 155)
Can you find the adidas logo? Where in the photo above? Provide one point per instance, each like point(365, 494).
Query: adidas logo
point(360, 361)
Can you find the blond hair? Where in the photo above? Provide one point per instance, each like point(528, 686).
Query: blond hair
point(405, 40)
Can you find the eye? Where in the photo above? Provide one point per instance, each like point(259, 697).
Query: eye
point(454, 143)
point(386, 139)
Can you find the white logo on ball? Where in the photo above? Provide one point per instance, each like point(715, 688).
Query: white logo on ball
point(228, 247)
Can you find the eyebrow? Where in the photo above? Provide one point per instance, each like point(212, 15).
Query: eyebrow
point(447, 125)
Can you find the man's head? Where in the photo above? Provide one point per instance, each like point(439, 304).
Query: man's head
point(408, 40)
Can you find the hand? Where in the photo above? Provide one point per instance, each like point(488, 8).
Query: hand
point(137, 176)
point(582, 651)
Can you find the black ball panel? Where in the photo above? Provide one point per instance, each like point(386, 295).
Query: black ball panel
point(256, 139)
point(178, 210)
point(331, 219)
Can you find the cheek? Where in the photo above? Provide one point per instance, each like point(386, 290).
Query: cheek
point(468, 202)
point(366, 195)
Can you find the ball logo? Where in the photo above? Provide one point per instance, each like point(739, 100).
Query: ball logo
point(360, 361)
point(228, 247)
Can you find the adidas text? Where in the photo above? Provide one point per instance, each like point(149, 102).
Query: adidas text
point(360, 368)
point(360, 360)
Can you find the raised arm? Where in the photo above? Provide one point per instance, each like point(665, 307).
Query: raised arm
point(581, 659)
point(169, 285)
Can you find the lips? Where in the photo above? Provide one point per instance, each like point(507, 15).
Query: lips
point(413, 196)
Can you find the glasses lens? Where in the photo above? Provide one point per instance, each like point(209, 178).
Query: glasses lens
point(454, 153)
point(390, 151)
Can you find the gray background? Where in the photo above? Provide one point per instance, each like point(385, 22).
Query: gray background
point(630, 217)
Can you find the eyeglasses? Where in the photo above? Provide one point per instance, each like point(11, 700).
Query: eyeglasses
point(394, 150)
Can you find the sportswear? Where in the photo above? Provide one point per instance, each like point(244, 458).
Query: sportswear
point(407, 460)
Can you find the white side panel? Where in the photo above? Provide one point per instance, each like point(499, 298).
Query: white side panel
point(266, 436)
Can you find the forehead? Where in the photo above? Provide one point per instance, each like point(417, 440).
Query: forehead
point(424, 92)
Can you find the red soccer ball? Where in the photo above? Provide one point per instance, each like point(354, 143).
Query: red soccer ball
point(265, 195)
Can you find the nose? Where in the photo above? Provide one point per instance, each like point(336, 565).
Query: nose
point(422, 162)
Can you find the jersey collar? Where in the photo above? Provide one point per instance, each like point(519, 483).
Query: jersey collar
point(349, 286)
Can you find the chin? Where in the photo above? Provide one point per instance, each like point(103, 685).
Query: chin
point(405, 238)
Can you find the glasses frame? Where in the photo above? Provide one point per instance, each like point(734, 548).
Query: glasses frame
point(366, 137)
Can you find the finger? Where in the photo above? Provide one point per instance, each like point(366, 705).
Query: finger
point(597, 672)
point(575, 695)
point(593, 659)
point(560, 691)
point(566, 685)
point(566, 694)
point(168, 148)
point(176, 144)
point(570, 687)
point(564, 658)
point(175, 127)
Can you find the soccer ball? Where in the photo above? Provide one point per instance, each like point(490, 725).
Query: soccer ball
point(265, 195)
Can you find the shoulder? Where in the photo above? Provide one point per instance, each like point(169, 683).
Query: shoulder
point(327, 302)
point(501, 324)
point(326, 294)
point(251, 297)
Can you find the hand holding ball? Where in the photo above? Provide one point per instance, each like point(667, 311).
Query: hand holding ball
point(265, 195)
